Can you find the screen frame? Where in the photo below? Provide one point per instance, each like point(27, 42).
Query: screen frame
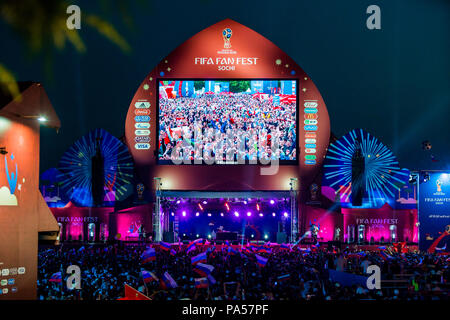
point(281, 162)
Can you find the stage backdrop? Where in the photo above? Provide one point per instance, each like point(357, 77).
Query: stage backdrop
point(434, 211)
point(227, 50)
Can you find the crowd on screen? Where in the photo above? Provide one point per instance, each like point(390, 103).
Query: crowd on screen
point(289, 273)
point(226, 127)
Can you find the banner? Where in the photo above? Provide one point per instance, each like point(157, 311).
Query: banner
point(434, 211)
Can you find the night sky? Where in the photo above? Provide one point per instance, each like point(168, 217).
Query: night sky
point(393, 82)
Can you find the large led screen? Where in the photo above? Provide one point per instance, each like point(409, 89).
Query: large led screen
point(227, 121)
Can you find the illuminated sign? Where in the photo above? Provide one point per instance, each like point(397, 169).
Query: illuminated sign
point(142, 112)
point(142, 105)
point(142, 125)
point(434, 212)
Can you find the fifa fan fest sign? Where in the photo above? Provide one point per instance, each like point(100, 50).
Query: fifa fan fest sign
point(227, 97)
point(226, 64)
point(434, 212)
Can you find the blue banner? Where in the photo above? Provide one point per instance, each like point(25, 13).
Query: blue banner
point(209, 86)
point(257, 86)
point(288, 87)
point(434, 211)
point(224, 86)
point(276, 100)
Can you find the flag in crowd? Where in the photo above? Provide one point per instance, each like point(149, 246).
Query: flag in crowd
point(165, 246)
point(261, 261)
point(284, 277)
point(149, 276)
point(168, 282)
point(201, 282)
point(263, 249)
point(200, 258)
point(148, 256)
point(384, 255)
point(246, 251)
point(231, 251)
point(56, 277)
point(211, 279)
point(191, 246)
point(203, 269)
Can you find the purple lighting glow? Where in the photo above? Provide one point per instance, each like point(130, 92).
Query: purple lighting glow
point(273, 214)
point(272, 201)
point(249, 214)
point(184, 213)
point(285, 214)
point(260, 214)
point(236, 214)
point(197, 214)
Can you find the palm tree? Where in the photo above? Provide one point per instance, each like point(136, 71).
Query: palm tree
point(42, 26)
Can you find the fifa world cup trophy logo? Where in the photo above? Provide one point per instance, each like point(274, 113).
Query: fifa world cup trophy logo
point(439, 185)
point(226, 34)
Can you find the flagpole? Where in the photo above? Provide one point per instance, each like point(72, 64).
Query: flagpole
point(60, 270)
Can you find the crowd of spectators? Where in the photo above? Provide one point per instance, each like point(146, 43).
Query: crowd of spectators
point(290, 274)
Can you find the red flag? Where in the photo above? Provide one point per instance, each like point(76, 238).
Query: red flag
point(133, 294)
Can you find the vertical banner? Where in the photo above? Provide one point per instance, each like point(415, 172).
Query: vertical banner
point(276, 100)
point(434, 212)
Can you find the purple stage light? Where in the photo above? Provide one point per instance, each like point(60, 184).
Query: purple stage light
point(209, 214)
point(260, 214)
point(221, 214)
point(197, 214)
point(285, 214)
point(249, 214)
point(178, 201)
point(205, 202)
point(245, 202)
point(172, 214)
point(273, 214)
point(272, 201)
point(184, 213)
point(236, 214)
